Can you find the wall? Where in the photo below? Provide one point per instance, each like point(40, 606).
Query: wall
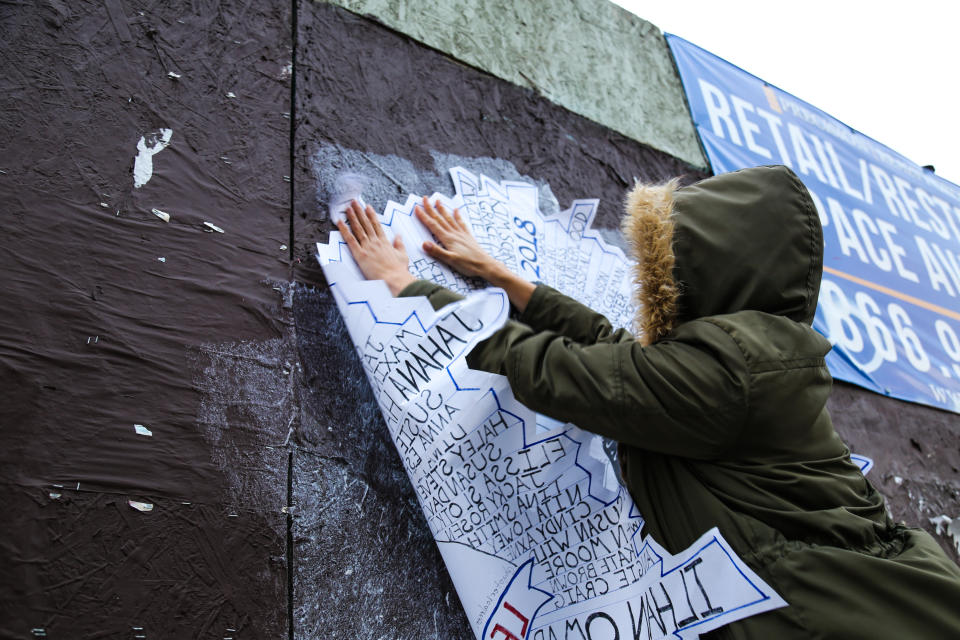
point(113, 317)
point(591, 57)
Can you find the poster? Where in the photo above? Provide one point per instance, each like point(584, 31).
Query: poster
point(540, 539)
point(890, 297)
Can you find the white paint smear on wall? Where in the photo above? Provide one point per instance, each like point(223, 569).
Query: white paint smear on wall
point(150, 144)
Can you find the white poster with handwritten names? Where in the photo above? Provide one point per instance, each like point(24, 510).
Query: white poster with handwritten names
point(539, 537)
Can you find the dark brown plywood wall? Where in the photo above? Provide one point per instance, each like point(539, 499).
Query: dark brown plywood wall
point(113, 317)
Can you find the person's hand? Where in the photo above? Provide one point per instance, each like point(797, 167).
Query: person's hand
point(377, 257)
point(459, 249)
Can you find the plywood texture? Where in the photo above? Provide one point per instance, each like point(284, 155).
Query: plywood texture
point(98, 333)
point(365, 564)
point(589, 56)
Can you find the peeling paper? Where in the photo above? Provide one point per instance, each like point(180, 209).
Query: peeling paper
point(141, 506)
point(948, 526)
point(153, 142)
point(347, 187)
point(142, 430)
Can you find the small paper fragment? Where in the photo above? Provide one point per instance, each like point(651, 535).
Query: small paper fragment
point(142, 430)
point(173, 75)
point(162, 259)
point(149, 145)
point(947, 526)
point(212, 227)
point(231, 94)
point(104, 205)
point(141, 506)
point(163, 215)
point(55, 495)
point(347, 187)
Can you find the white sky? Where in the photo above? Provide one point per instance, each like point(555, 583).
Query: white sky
point(887, 69)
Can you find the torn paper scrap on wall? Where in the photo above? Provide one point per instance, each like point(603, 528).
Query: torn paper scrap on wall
point(947, 526)
point(538, 535)
point(148, 146)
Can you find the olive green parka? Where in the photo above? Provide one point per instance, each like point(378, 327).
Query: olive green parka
point(719, 407)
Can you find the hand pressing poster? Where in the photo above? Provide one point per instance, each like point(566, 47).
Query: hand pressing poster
point(538, 535)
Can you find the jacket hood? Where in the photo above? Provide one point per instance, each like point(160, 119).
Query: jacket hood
point(748, 240)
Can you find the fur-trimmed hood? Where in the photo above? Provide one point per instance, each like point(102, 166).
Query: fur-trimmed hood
point(748, 240)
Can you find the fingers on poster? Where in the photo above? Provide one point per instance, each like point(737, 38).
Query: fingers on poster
point(540, 539)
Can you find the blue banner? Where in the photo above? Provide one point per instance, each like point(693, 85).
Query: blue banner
point(891, 275)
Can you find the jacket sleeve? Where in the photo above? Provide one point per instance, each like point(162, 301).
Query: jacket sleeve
point(683, 396)
point(550, 310)
point(437, 295)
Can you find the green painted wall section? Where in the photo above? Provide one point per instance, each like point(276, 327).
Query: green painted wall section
point(589, 56)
